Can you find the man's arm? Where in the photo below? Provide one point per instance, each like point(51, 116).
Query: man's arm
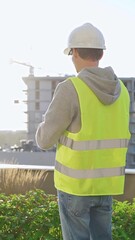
point(57, 117)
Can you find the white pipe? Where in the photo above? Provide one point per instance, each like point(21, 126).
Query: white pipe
point(32, 167)
point(129, 171)
point(50, 168)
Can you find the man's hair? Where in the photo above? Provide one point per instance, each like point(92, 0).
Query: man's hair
point(90, 53)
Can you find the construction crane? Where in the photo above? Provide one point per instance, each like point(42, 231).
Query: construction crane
point(31, 68)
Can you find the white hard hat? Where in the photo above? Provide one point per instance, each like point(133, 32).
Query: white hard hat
point(85, 36)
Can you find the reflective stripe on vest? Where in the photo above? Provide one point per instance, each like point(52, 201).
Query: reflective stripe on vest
point(89, 173)
point(93, 144)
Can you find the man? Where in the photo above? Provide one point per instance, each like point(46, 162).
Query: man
point(88, 118)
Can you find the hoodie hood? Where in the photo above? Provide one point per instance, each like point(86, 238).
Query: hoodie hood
point(103, 82)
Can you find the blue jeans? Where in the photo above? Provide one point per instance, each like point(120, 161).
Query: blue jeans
point(85, 217)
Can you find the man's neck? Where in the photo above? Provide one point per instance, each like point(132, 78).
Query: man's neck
point(88, 64)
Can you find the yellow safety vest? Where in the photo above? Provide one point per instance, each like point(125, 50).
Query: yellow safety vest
point(92, 161)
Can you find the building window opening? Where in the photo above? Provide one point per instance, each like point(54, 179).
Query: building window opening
point(37, 106)
point(37, 94)
point(37, 84)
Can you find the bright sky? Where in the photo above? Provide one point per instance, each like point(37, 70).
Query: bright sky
point(36, 32)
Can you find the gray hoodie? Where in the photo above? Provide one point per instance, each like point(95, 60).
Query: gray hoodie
point(63, 112)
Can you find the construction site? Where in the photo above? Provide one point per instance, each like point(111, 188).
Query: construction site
point(37, 97)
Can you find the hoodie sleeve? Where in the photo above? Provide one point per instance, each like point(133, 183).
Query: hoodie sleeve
point(57, 117)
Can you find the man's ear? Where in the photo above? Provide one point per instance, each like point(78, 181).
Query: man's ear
point(75, 52)
point(101, 55)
